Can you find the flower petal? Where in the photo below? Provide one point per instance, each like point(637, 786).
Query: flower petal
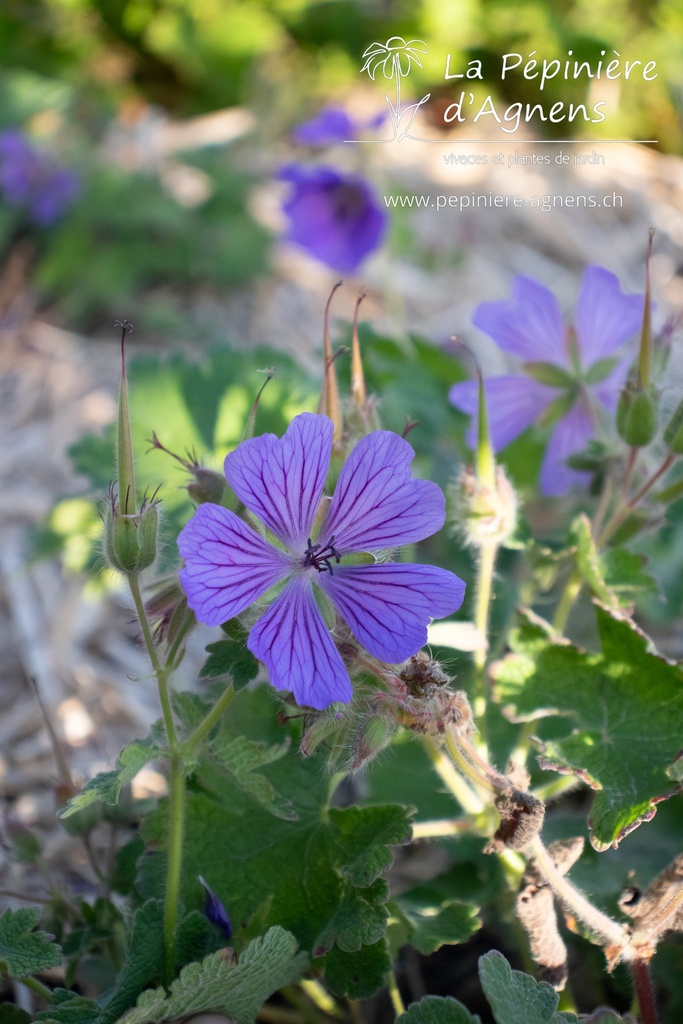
point(377, 503)
point(332, 124)
point(389, 606)
point(605, 317)
point(227, 565)
point(571, 434)
point(529, 324)
point(295, 645)
point(281, 480)
point(513, 403)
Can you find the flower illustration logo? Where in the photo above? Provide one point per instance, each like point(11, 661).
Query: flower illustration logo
point(395, 58)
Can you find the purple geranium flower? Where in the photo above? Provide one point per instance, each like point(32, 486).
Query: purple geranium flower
point(335, 217)
point(334, 124)
point(377, 505)
point(573, 371)
point(29, 177)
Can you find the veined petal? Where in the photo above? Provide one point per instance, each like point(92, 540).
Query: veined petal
point(281, 480)
point(605, 317)
point(227, 565)
point(389, 606)
point(513, 403)
point(529, 324)
point(377, 503)
point(570, 435)
point(295, 645)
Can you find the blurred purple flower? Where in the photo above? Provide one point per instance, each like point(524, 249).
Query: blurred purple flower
point(214, 911)
point(335, 217)
point(333, 124)
point(377, 505)
point(574, 372)
point(30, 178)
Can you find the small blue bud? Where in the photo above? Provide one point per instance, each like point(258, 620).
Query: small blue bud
point(215, 912)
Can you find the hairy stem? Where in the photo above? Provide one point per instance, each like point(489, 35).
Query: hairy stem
point(175, 860)
point(159, 671)
point(608, 931)
point(623, 513)
point(642, 983)
point(207, 724)
point(38, 988)
point(567, 601)
point(466, 797)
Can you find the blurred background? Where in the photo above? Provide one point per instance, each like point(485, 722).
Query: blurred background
point(142, 148)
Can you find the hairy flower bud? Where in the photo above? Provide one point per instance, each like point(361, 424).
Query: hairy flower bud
point(130, 540)
point(637, 413)
point(206, 486)
point(374, 732)
point(484, 513)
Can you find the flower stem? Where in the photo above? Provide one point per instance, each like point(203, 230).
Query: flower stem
point(466, 797)
point(172, 652)
point(175, 858)
point(623, 513)
point(609, 931)
point(207, 724)
point(642, 983)
point(159, 671)
point(395, 995)
point(567, 601)
point(38, 988)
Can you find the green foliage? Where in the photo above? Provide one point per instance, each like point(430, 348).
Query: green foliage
point(239, 758)
point(218, 985)
point(616, 577)
point(316, 876)
point(435, 1010)
point(106, 786)
point(621, 715)
point(231, 657)
point(516, 997)
point(24, 951)
point(428, 921)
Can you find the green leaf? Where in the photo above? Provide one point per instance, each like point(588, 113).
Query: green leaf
point(240, 758)
point(517, 997)
point(313, 876)
point(622, 712)
point(615, 577)
point(69, 1008)
point(216, 985)
point(437, 1010)
point(144, 961)
point(356, 975)
point(432, 922)
point(106, 786)
point(231, 657)
point(24, 951)
point(10, 1014)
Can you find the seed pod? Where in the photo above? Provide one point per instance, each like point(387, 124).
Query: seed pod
point(521, 819)
point(637, 414)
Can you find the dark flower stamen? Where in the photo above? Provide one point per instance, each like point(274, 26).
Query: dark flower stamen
point(320, 559)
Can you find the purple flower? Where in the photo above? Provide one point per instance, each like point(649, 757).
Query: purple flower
point(214, 911)
point(335, 217)
point(333, 124)
point(30, 178)
point(574, 372)
point(377, 505)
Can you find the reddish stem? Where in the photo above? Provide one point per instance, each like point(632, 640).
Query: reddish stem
point(642, 983)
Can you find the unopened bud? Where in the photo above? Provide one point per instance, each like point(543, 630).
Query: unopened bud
point(372, 735)
point(130, 540)
point(673, 435)
point(485, 513)
point(637, 412)
point(206, 486)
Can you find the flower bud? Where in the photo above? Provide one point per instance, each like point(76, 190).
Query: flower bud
point(147, 536)
point(673, 435)
point(206, 486)
point(637, 412)
point(371, 737)
point(130, 540)
point(485, 514)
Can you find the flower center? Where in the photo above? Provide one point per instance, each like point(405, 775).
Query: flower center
point(321, 557)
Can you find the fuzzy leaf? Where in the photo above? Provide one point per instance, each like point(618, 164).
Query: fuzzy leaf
point(437, 1010)
point(239, 758)
point(24, 951)
point(517, 997)
point(69, 1008)
point(623, 710)
point(271, 870)
point(356, 975)
point(218, 986)
point(432, 922)
point(231, 657)
point(106, 786)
